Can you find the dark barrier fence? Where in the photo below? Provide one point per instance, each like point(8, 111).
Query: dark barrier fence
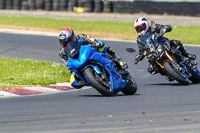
point(63, 5)
point(31, 4)
point(118, 6)
point(48, 5)
point(71, 5)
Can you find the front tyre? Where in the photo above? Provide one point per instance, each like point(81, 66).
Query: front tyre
point(90, 75)
point(175, 74)
point(130, 88)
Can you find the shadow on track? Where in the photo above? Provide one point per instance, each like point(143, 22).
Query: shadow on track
point(168, 84)
point(110, 96)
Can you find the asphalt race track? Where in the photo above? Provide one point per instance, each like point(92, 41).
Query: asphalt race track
point(157, 107)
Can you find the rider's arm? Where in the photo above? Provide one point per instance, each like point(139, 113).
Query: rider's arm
point(164, 29)
point(160, 30)
point(141, 54)
point(86, 38)
point(89, 40)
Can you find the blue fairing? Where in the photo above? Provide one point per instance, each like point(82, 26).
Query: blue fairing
point(161, 41)
point(197, 71)
point(87, 54)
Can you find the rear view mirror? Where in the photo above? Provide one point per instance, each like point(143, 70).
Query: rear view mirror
point(152, 22)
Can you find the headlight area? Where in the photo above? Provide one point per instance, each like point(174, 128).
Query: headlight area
point(160, 50)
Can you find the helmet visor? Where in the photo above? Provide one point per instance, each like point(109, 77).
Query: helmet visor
point(141, 28)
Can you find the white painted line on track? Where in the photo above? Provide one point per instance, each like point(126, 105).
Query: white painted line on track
point(140, 70)
point(64, 84)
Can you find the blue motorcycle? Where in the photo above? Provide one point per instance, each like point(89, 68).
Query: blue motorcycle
point(98, 70)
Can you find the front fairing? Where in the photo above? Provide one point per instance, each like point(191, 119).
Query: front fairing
point(147, 40)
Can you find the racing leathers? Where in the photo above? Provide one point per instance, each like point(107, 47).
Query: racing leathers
point(86, 40)
point(158, 31)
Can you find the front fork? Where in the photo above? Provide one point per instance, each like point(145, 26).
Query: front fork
point(168, 56)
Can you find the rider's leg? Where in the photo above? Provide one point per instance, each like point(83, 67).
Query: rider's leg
point(178, 43)
point(123, 65)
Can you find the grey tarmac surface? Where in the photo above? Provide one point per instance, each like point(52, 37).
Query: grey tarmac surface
point(162, 19)
point(157, 107)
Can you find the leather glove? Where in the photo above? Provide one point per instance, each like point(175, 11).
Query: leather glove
point(136, 61)
point(155, 36)
point(138, 58)
point(98, 44)
point(63, 56)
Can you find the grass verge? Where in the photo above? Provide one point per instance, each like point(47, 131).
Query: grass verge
point(19, 73)
point(97, 29)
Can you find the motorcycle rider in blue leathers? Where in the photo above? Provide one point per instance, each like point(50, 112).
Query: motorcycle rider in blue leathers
point(142, 27)
point(67, 35)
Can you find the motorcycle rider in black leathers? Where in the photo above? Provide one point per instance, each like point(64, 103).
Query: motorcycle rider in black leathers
point(67, 36)
point(142, 27)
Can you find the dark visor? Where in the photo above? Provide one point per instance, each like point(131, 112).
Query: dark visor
point(141, 28)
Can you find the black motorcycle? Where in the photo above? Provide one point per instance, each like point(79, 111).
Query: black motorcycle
point(170, 61)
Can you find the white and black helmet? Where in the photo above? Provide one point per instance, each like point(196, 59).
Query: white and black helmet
point(141, 26)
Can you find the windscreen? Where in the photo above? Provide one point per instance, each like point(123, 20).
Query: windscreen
point(73, 48)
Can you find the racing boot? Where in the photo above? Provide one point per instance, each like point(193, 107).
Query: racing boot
point(191, 56)
point(119, 61)
point(184, 52)
point(122, 64)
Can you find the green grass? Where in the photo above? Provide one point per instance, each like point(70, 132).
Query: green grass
point(17, 73)
point(187, 34)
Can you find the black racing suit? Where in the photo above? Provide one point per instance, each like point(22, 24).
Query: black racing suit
point(158, 31)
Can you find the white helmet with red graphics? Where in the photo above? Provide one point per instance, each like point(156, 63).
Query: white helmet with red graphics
point(66, 35)
point(141, 26)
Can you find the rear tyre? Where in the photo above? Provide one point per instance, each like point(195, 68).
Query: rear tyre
point(173, 73)
point(90, 75)
point(130, 88)
point(195, 78)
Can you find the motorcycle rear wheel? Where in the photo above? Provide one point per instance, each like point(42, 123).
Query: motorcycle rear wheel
point(130, 88)
point(90, 75)
point(195, 78)
point(173, 73)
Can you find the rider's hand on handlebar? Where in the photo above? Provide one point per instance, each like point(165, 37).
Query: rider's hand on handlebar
point(98, 44)
point(136, 61)
point(155, 36)
point(62, 55)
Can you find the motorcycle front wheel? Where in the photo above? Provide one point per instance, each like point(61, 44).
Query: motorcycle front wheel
point(175, 74)
point(90, 75)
